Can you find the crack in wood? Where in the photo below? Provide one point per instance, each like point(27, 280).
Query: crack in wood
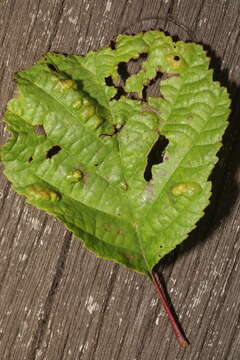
point(169, 11)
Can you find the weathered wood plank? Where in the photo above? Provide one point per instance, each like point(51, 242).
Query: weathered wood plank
point(57, 301)
point(29, 264)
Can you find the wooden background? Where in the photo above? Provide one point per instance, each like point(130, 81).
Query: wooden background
point(57, 300)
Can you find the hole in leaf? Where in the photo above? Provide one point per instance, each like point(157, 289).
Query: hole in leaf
point(176, 58)
point(52, 67)
point(155, 156)
point(123, 72)
point(132, 67)
point(109, 81)
point(153, 88)
point(120, 92)
point(113, 45)
point(30, 159)
point(135, 65)
point(53, 151)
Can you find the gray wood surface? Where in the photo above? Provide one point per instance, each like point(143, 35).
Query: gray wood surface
point(58, 301)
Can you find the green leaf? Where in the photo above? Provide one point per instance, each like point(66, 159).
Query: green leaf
point(90, 157)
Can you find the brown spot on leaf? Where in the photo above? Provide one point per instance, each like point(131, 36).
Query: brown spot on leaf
point(39, 130)
point(169, 75)
point(148, 108)
point(124, 186)
point(106, 228)
point(130, 257)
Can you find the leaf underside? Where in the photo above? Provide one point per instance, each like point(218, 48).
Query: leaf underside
point(83, 142)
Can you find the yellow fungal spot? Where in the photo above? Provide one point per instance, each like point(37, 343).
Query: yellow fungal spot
point(75, 176)
point(68, 84)
point(77, 104)
point(124, 186)
point(188, 189)
point(94, 122)
point(85, 101)
point(88, 111)
point(39, 193)
point(175, 61)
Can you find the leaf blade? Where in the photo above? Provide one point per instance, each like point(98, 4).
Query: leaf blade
point(95, 183)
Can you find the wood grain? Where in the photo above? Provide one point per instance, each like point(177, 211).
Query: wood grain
point(58, 301)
